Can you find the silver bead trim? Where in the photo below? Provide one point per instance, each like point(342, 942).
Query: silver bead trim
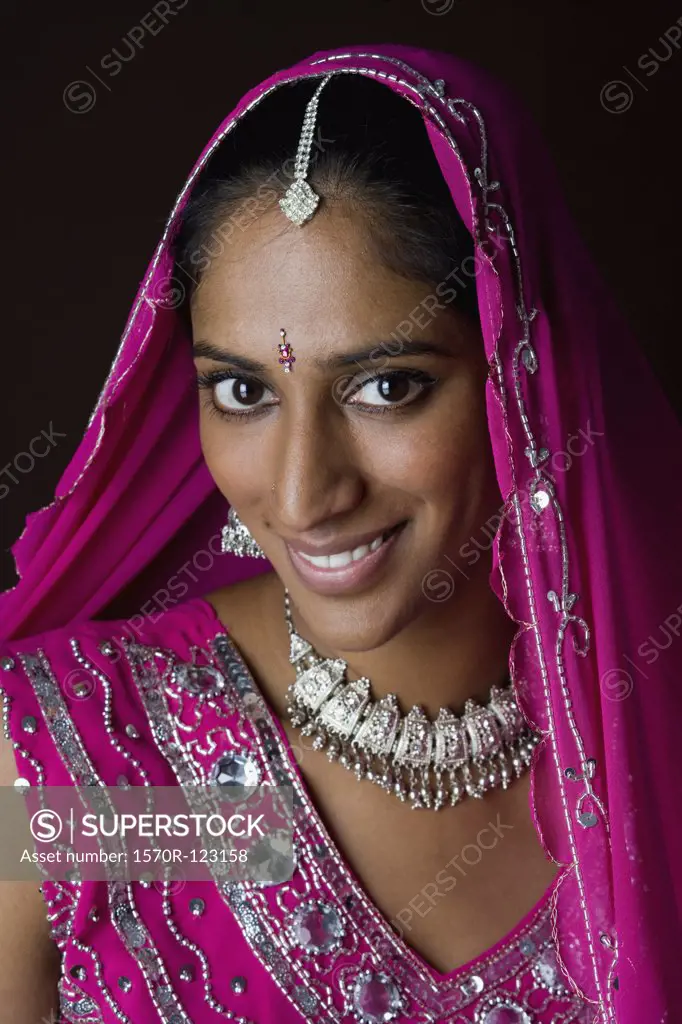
point(154, 673)
point(90, 667)
point(6, 710)
point(74, 1003)
point(140, 945)
point(150, 682)
point(209, 998)
point(104, 989)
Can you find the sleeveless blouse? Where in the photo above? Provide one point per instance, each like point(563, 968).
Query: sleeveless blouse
point(199, 952)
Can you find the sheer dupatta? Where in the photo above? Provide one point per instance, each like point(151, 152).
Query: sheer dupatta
point(586, 557)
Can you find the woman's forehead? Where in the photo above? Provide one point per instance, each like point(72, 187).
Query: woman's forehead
point(325, 268)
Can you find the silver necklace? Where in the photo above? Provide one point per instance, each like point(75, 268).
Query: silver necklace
point(431, 764)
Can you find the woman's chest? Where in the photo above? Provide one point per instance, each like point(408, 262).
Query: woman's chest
point(452, 883)
point(313, 945)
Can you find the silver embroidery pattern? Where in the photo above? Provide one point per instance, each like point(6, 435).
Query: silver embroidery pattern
point(141, 946)
point(164, 682)
point(319, 984)
point(150, 669)
point(6, 707)
point(322, 871)
point(60, 920)
point(97, 674)
point(75, 1004)
point(525, 359)
point(97, 966)
point(75, 757)
point(162, 679)
point(205, 972)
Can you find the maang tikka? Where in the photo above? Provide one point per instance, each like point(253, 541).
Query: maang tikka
point(300, 200)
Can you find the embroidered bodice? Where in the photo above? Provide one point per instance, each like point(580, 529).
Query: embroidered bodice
point(100, 704)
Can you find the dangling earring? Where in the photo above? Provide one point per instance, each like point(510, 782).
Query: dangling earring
point(236, 539)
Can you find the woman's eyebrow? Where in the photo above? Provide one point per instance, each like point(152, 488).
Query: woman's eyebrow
point(203, 350)
point(385, 349)
point(391, 349)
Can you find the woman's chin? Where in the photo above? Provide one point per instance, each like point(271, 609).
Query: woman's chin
point(354, 625)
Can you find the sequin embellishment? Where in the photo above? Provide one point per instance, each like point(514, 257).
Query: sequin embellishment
point(501, 1010)
point(236, 772)
point(316, 927)
point(376, 998)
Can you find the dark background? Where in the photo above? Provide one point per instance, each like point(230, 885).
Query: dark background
point(86, 194)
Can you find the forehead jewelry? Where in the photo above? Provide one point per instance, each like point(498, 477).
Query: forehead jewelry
point(300, 201)
point(286, 356)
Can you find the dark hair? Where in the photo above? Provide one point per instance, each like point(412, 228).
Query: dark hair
point(371, 151)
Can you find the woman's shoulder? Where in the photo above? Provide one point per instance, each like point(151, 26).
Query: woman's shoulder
point(184, 623)
point(106, 699)
point(88, 700)
point(159, 701)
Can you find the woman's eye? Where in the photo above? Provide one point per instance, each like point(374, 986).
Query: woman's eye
point(397, 388)
point(243, 396)
point(235, 394)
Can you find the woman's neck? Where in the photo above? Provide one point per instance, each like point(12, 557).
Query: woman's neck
point(454, 650)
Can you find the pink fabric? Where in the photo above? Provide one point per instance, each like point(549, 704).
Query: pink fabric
point(137, 504)
point(520, 970)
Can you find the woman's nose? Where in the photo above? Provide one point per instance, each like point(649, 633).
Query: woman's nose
point(316, 476)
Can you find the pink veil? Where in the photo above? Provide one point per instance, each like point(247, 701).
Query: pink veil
point(589, 462)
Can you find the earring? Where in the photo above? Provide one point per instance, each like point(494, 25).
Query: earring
point(236, 539)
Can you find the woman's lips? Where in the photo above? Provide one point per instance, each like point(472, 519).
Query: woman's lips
point(337, 579)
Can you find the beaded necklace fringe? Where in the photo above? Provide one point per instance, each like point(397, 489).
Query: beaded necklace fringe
point(430, 763)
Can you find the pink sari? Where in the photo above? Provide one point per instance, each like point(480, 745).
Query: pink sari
point(589, 463)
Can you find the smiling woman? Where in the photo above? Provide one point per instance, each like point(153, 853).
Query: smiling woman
point(396, 337)
point(343, 455)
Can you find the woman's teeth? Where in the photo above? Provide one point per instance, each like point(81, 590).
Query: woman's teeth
point(343, 557)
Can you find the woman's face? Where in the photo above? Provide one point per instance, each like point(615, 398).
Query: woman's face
point(373, 461)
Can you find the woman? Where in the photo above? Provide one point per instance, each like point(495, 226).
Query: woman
point(426, 414)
